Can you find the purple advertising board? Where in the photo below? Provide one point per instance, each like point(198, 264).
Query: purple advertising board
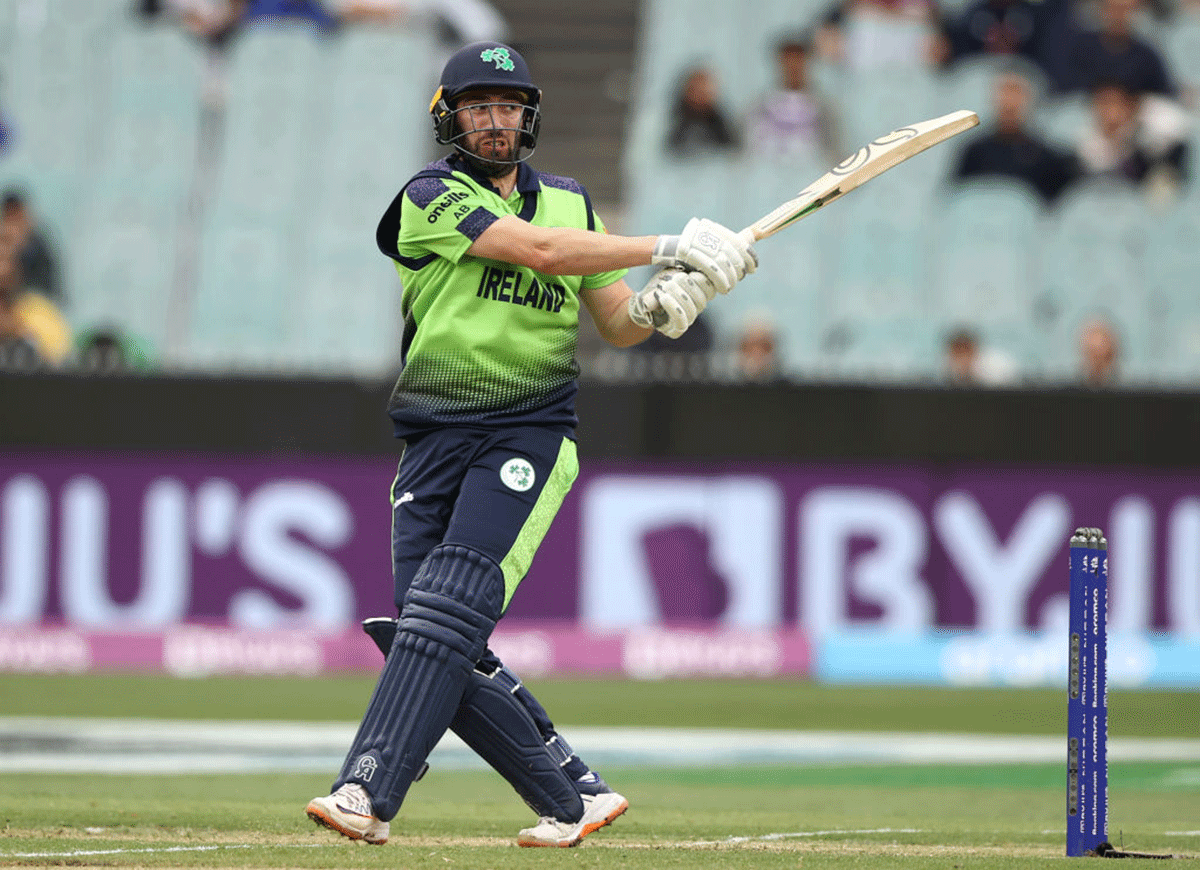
point(836, 558)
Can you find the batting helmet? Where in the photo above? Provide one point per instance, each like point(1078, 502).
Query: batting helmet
point(478, 66)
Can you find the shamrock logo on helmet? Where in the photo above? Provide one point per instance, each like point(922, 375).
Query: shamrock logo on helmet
point(498, 55)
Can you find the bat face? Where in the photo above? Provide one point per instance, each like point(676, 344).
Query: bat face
point(863, 155)
point(869, 161)
point(872, 159)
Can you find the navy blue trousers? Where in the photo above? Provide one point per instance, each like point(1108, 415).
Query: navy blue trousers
point(494, 491)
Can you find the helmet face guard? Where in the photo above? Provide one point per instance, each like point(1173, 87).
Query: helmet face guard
point(486, 66)
point(446, 132)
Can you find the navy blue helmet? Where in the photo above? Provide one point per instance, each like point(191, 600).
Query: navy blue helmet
point(479, 66)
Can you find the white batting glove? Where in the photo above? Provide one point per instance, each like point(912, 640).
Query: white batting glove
point(725, 257)
point(671, 301)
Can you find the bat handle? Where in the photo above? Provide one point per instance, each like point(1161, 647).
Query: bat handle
point(749, 235)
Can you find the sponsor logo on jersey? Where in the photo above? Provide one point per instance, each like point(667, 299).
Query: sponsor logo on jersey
point(508, 285)
point(444, 203)
point(517, 474)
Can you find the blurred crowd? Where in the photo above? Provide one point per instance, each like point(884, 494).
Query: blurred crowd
point(35, 334)
point(216, 22)
point(1136, 132)
point(1099, 54)
point(36, 328)
point(1137, 129)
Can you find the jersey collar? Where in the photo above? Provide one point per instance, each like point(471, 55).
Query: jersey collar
point(527, 177)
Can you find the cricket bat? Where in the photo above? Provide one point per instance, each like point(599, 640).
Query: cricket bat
point(869, 161)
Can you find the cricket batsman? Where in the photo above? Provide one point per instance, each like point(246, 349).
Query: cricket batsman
point(496, 260)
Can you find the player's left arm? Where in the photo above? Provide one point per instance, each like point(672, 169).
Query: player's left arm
point(609, 307)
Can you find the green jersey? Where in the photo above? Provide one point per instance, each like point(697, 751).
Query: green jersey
point(486, 342)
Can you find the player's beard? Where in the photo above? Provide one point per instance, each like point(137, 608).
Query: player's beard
point(493, 161)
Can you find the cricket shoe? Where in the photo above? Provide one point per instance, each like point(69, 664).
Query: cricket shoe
point(598, 810)
point(349, 812)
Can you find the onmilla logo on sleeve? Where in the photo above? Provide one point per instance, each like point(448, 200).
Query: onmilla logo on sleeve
point(517, 474)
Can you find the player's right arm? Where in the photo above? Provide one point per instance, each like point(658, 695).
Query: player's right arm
point(716, 251)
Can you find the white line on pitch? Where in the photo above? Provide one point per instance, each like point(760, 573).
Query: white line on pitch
point(766, 838)
point(727, 841)
point(78, 853)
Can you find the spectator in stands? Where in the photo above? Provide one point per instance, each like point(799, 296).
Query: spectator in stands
point(41, 323)
point(210, 21)
point(1035, 30)
point(109, 349)
point(1115, 53)
point(18, 353)
point(1099, 353)
point(216, 22)
point(966, 363)
point(457, 22)
point(1011, 150)
point(699, 124)
point(792, 120)
point(30, 245)
point(383, 12)
point(1141, 139)
point(313, 11)
point(757, 353)
point(875, 34)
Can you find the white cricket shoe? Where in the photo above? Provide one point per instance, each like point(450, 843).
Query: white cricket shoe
point(349, 812)
point(598, 810)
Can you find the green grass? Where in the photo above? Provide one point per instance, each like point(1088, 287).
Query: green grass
point(1006, 817)
point(923, 816)
point(788, 704)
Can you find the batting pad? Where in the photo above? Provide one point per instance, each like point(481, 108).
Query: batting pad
point(497, 725)
point(506, 726)
point(448, 615)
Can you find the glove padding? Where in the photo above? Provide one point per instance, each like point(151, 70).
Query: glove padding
point(671, 301)
point(723, 256)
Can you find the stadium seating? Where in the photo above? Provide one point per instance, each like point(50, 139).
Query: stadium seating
point(254, 247)
point(984, 250)
point(1181, 45)
point(1170, 276)
point(1093, 264)
point(124, 258)
point(884, 292)
point(51, 90)
point(320, 134)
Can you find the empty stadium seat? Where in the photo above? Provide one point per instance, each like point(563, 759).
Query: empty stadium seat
point(984, 244)
point(1170, 273)
point(1094, 262)
point(122, 261)
point(1181, 46)
point(153, 100)
point(347, 305)
point(243, 306)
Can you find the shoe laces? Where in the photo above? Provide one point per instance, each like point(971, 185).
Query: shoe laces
point(353, 798)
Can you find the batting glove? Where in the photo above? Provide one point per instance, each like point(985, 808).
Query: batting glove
point(723, 256)
point(671, 301)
